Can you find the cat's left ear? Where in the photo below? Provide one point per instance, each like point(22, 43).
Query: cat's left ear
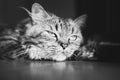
point(80, 20)
point(38, 12)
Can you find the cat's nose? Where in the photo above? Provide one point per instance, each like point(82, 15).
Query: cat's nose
point(64, 45)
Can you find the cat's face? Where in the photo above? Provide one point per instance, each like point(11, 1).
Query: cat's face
point(56, 39)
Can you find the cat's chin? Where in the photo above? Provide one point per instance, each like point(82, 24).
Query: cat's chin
point(59, 57)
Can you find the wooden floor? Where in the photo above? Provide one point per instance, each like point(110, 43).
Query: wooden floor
point(70, 70)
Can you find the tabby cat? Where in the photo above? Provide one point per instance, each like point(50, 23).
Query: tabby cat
point(44, 36)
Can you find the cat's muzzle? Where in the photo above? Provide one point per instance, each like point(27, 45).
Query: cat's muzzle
point(64, 45)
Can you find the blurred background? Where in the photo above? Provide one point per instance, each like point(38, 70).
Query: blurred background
point(103, 16)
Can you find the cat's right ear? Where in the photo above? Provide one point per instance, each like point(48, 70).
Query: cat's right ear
point(38, 12)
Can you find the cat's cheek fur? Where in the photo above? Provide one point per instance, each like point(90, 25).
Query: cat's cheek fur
point(69, 51)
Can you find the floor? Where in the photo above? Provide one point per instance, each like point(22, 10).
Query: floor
point(70, 70)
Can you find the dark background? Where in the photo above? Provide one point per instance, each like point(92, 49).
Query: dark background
point(103, 16)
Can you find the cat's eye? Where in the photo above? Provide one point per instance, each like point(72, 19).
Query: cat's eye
point(72, 38)
point(51, 34)
point(48, 35)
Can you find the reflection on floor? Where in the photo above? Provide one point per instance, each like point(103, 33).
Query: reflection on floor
point(70, 70)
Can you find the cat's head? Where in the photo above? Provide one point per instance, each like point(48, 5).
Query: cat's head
point(53, 31)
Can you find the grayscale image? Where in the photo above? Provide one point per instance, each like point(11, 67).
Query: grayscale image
point(59, 40)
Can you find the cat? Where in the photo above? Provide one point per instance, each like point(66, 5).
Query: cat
point(44, 36)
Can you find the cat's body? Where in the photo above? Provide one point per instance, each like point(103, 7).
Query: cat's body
point(44, 36)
